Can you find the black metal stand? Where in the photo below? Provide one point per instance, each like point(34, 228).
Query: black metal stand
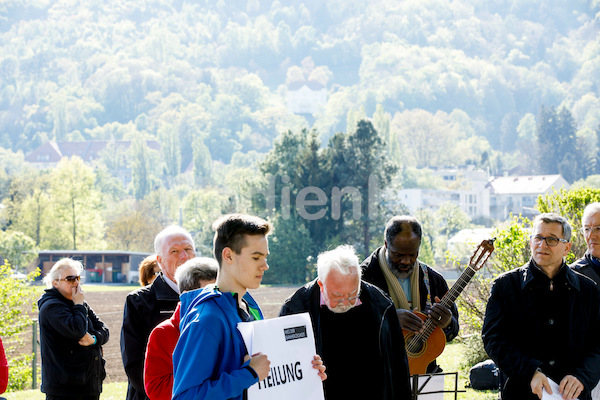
point(418, 390)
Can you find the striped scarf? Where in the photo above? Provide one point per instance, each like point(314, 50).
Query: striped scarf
point(395, 289)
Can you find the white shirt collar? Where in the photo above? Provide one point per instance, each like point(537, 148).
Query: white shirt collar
point(172, 284)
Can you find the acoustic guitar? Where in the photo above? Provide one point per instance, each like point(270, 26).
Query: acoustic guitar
point(426, 345)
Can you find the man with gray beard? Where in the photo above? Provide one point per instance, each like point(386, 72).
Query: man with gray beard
point(412, 284)
point(356, 331)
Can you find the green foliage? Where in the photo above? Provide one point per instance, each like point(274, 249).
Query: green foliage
point(19, 373)
point(14, 321)
point(13, 294)
point(474, 351)
point(76, 204)
point(510, 251)
point(18, 248)
point(557, 150)
point(289, 246)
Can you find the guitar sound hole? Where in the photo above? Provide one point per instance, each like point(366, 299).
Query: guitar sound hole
point(414, 346)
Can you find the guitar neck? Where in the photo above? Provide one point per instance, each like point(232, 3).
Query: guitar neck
point(448, 300)
point(458, 287)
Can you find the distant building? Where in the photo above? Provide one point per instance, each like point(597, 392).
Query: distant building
point(100, 266)
point(465, 242)
point(50, 153)
point(465, 187)
point(517, 194)
point(306, 97)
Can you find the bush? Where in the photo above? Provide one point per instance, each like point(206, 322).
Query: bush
point(14, 320)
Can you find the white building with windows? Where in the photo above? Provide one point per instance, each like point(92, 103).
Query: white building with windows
point(518, 194)
point(464, 187)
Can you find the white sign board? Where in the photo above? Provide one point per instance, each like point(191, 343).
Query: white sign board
point(289, 344)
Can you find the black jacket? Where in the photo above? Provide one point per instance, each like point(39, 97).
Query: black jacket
point(534, 322)
point(69, 369)
point(372, 273)
point(144, 309)
point(589, 266)
point(391, 341)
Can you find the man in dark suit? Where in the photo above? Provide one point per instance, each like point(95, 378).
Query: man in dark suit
point(147, 307)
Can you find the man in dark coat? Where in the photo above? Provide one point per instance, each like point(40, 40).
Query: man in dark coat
point(71, 336)
point(147, 307)
point(356, 331)
point(542, 320)
point(412, 285)
point(589, 264)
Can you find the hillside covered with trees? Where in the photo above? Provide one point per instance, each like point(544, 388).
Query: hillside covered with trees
point(409, 85)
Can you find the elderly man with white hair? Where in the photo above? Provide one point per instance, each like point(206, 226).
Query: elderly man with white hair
point(147, 307)
point(71, 336)
point(356, 330)
point(589, 264)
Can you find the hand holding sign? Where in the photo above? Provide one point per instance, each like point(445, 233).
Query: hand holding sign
point(260, 364)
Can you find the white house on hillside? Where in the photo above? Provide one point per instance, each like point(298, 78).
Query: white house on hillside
point(471, 193)
point(517, 194)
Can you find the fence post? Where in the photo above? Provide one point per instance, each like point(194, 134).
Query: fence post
point(34, 351)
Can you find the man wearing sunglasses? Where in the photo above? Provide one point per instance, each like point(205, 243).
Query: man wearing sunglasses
point(356, 330)
point(542, 320)
point(71, 336)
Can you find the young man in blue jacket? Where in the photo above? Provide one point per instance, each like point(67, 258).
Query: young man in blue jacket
point(210, 360)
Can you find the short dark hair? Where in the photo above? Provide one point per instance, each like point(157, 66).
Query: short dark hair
point(402, 223)
point(231, 229)
point(550, 218)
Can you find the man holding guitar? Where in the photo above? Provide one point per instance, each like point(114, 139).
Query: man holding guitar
point(416, 290)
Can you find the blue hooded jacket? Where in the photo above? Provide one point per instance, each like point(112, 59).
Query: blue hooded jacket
point(208, 361)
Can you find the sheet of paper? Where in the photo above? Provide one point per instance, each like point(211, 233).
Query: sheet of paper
point(289, 344)
point(555, 394)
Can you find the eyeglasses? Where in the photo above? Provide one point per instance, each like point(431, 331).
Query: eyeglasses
point(71, 278)
point(588, 230)
point(338, 300)
point(550, 241)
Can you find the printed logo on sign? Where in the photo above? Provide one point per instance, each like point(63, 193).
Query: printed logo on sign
point(297, 332)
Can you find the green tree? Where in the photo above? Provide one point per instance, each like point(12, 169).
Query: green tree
point(132, 226)
point(76, 203)
point(290, 246)
point(296, 167)
point(18, 249)
point(169, 144)
point(200, 209)
point(369, 169)
point(557, 151)
point(202, 161)
point(140, 168)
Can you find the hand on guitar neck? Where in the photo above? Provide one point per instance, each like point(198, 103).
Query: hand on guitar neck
point(410, 321)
